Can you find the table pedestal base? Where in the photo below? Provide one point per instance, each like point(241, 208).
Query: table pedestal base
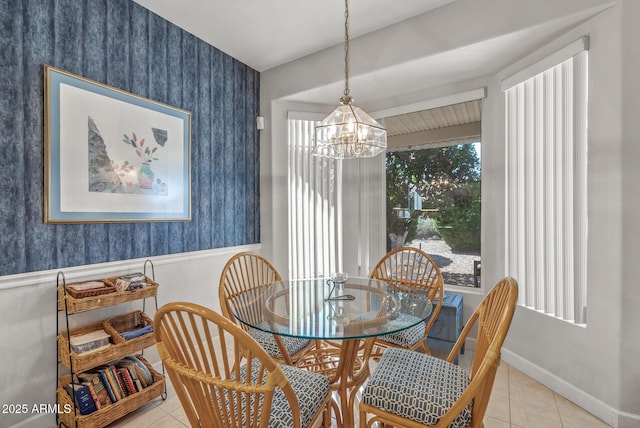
point(346, 364)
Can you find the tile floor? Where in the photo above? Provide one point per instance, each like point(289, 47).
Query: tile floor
point(517, 401)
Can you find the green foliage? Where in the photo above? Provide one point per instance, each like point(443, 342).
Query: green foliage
point(458, 221)
point(440, 176)
point(430, 172)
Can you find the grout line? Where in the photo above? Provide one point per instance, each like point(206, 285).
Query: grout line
point(555, 402)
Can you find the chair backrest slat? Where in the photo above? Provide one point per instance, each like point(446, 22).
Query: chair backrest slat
point(411, 269)
point(245, 271)
point(218, 386)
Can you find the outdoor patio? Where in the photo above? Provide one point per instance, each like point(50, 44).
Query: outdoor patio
point(456, 267)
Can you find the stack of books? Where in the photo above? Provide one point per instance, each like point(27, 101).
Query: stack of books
point(108, 384)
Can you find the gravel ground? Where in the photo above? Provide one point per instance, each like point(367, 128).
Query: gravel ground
point(456, 267)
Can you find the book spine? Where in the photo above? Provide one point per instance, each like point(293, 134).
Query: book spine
point(101, 391)
point(107, 385)
point(125, 387)
point(131, 368)
point(93, 394)
point(129, 380)
point(113, 383)
point(119, 384)
point(82, 397)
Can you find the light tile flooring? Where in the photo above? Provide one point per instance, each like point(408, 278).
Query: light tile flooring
point(517, 401)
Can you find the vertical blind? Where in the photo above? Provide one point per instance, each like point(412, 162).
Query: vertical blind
point(315, 192)
point(546, 209)
point(367, 228)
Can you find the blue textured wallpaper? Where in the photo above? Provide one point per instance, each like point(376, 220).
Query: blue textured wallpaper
point(121, 44)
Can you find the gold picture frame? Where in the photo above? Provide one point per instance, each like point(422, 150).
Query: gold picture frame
point(112, 156)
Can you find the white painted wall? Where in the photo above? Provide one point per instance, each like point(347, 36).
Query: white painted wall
point(596, 366)
point(629, 85)
point(570, 358)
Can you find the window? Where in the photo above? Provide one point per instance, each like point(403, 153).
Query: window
point(546, 209)
point(433, 203)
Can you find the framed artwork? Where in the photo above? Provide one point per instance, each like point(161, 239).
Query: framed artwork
point(112, 156)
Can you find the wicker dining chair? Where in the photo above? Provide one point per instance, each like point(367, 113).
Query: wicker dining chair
point(411, 269)
point(224, 378)
point(246, 271)
point(410, 389)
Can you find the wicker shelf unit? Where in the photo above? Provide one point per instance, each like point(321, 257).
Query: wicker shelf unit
point(75, 363)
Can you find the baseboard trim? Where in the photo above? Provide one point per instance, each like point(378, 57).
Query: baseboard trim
point(109, 268)
point(628, 420)
point(591, 404)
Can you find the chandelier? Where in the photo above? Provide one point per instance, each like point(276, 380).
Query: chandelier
point(348, 132)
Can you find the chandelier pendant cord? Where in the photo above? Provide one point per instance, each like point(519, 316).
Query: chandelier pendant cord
point(347, 98)
point(348, 132)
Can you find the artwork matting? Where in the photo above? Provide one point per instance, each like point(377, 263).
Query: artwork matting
point(112, 156)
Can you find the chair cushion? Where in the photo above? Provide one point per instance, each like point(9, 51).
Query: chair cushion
point(405, 338)
point(310, 388)
point(268, 343)
point(416, 386)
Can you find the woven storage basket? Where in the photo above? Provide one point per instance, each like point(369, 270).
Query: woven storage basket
point(128, 322)
point(112, 412)
point(87, 360)
point(94, 302)
point(108, 289)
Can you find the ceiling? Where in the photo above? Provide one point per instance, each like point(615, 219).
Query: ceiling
point(299, 28)
point(266, 33)
point(441, 117)
point(458, 123)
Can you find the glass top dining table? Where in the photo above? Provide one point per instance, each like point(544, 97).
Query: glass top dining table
point(338, 315)
point(321, 308)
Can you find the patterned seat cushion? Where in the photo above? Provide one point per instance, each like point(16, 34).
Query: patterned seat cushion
point(405, 338)
point(268, 343)
point(417, 386)
point(310, 388)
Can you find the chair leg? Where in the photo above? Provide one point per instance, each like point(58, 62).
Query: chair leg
point(363, 419)
point(326, 416)
point(425, 347)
